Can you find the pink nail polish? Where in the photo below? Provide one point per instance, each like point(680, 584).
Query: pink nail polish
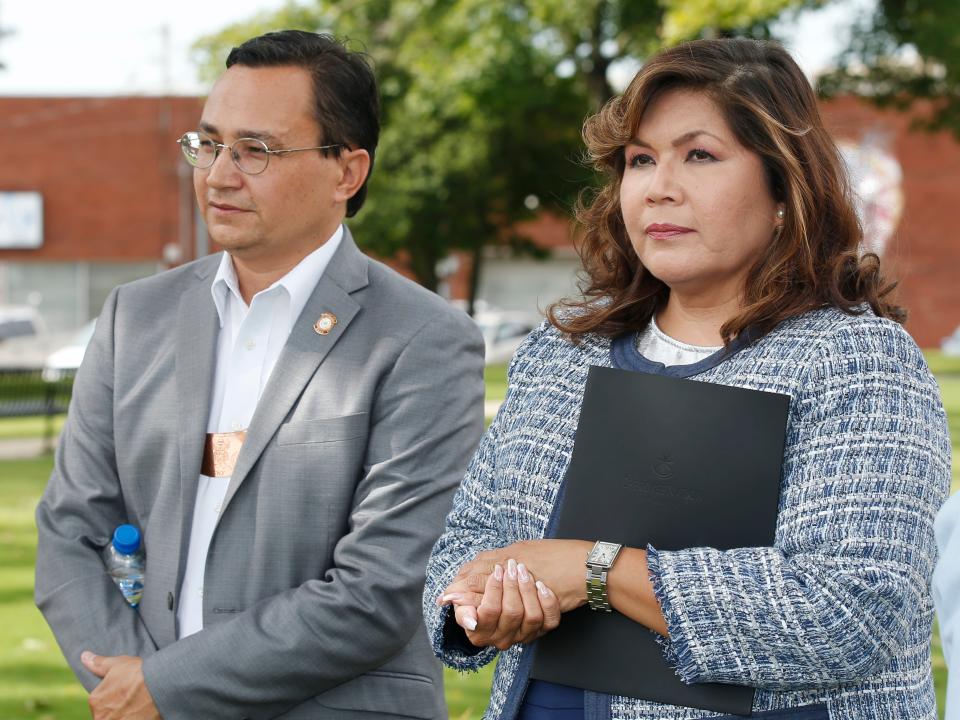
point(512, 569)
point(522, 572)
point(470, 623)
point(498, 572)
point(542, 589)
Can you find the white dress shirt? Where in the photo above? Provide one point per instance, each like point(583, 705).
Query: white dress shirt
point(250, 341)
point(946, 597)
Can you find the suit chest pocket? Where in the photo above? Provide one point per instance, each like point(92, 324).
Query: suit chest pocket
point(323, 430)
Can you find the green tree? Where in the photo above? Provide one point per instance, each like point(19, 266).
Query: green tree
point(905, 52)
point(483, 102)
point(688, 19)
point(476, 123)
point(477, 126)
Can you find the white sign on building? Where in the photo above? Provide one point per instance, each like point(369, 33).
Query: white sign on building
point(21, 220)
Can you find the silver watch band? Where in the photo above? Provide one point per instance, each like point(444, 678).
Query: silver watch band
point(597, 588)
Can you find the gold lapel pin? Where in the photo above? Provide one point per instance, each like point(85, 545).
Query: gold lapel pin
point(325, 323)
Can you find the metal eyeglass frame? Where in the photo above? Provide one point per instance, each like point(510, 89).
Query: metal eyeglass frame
point(184, 142)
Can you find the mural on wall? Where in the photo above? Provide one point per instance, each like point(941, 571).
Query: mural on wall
point(877, 181)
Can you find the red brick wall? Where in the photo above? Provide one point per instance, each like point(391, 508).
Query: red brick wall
point(107, 169)
point(925, 250)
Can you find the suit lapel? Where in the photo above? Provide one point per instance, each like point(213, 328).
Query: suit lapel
point(197, 331)
point(303, 353)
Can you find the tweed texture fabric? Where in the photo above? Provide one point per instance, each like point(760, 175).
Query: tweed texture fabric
point(837, 611)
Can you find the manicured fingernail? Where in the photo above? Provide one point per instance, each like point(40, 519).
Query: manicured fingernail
point(86, 656)
point(470, 623)
point(512, 569)
point(543, 589)
point(451, 596)
point(522, 572)
point(498, 572)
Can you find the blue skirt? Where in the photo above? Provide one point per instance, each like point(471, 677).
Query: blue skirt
point(549, 701)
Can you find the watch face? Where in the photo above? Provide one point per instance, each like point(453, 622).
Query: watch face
point(604, 553)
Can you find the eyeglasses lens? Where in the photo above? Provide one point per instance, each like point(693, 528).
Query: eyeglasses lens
point(249, 154)
point(198, 149)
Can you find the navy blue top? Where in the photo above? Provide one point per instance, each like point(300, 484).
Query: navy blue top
point(625, 355)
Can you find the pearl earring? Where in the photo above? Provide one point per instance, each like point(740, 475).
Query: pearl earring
point(781, 213)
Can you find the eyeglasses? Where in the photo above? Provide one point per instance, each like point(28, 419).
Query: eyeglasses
point(250, 155)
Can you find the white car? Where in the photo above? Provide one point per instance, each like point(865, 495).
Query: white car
point(19, 321)
point(68, 358)
point(24, 342)
point(503, 331)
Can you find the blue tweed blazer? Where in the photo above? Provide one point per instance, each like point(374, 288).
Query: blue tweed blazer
point(837, 611)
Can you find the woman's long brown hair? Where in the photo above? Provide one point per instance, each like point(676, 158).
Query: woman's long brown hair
point(815, 261)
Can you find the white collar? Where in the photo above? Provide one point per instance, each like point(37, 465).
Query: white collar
point(299, 282)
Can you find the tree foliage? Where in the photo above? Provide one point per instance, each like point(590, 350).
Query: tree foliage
point(483, 101)
point(688, 19)
point(906, 51)
point(478, 129)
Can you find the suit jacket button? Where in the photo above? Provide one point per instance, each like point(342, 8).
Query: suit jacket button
point(170, 601)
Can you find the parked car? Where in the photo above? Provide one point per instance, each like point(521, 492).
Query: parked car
point(951, 344)
point(503, 331)
point(24, 342)
point(19, 321)
point(68, 358)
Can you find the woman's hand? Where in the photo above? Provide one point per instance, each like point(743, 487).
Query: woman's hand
point(513, 608)
point(558, 563)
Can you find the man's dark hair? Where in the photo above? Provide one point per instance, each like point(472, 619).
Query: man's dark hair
point(346, 103)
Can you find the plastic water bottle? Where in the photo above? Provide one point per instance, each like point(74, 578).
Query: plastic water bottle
point(125, 560)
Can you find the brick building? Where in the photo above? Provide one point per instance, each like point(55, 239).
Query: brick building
point(117, 203)
point(924, 250)
point(117, 200)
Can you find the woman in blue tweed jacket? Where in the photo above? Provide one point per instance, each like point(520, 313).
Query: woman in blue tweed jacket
point(723, 248)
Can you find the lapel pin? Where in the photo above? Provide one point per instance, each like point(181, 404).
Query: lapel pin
point(325, 323)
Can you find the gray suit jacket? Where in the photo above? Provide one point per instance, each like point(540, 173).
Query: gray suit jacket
point(311, 602)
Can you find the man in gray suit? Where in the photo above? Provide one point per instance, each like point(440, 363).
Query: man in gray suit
point(285, 422)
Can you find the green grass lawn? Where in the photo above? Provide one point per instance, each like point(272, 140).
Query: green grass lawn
point(950, 391)
point(35, 683)
point(941, 364)
point(495, 377)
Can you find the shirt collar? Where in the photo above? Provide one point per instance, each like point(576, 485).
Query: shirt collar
point(299, 282)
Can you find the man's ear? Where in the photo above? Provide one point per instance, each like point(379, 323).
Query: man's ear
point(354, 168)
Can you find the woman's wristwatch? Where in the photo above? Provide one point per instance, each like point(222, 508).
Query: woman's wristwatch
point(599, 562)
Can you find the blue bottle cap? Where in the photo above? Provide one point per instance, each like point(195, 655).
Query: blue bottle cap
point(126, 539)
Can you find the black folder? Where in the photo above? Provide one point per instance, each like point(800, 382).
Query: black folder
point(676, 464)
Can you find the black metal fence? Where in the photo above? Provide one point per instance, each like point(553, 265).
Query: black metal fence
point(28, 392)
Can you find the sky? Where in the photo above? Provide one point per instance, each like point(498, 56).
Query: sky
point(133, 47)
point(115, 47)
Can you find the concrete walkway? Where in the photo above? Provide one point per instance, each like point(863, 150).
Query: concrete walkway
point(22, 449)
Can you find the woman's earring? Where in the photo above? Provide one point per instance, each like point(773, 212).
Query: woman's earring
point(781, 213)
